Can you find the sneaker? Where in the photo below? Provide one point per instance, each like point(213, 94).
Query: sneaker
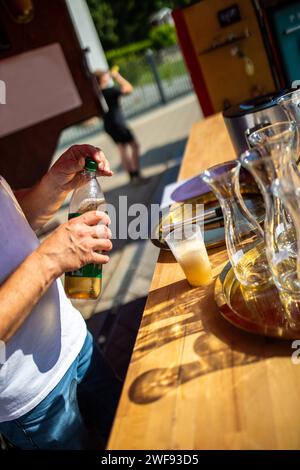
point(140, 180)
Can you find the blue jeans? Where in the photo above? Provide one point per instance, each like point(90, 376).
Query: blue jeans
point(79, 411)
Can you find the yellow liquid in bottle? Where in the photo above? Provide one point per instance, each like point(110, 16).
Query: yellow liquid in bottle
point(85, 288)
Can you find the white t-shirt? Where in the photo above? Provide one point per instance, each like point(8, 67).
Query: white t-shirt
point(35, 359)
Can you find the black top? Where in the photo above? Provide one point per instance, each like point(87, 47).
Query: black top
point(114, 121)
point(252, 106)
point(112, 97)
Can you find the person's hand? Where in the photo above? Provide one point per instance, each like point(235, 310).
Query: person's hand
point(114, 72)
point(65, 173)
point(77, 243)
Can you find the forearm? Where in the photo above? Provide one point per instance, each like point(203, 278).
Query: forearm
point(40, 202)
point(74, 244)
point(125, 86)
point(22, 290)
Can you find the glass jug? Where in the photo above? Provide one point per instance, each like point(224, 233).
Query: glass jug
point(280, 238)
point(279, 143)
point(290, 103)
point(290, 279)
point(243, 236)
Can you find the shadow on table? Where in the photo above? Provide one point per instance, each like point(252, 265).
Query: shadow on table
point(218, 344)
point(174, 305)
point(116, 331)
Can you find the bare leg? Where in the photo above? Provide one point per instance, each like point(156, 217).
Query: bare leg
point(126, 158)
point(135, 153)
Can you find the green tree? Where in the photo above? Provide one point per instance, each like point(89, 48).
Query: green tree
point(162, 36)
point(121, 22)
point(105, 23)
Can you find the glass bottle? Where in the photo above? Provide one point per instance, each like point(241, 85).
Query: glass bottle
point(243, 235)
point(86, 283)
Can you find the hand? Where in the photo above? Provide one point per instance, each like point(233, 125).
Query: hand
point(65, 173)
point(114, 72)
point(77, 243)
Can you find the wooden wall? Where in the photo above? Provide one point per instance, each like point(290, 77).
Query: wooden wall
point(25, 155)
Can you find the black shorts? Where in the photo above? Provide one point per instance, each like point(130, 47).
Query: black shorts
point(119, 132)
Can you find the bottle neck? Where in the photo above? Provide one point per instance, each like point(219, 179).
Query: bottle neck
point(89, 174)
point(225, 186)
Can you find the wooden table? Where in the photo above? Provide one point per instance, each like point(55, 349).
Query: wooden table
point(195, 381)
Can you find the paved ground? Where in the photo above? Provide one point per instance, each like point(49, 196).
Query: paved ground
point(126, 279)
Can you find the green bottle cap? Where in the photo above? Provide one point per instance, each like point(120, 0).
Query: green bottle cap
point(90, 164)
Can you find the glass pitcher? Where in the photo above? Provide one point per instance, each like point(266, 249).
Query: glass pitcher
point(290, 103)
point(279, 142)
point(243, 235)
point(290, 279)
point(280, 238)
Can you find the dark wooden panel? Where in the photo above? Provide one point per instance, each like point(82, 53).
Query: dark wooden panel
point(266, 7)
point(25, 155)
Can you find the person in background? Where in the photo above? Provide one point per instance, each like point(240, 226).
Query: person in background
point(114, 121)
point(56, 389)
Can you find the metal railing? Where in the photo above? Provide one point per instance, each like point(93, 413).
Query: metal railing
point(157, 77)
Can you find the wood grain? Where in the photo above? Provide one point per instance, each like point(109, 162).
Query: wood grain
point(195, 381)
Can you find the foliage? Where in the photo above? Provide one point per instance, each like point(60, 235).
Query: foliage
point(121, 22)
point(138, 72)
point(163, 36)
point(105, 22)
point(132, 50)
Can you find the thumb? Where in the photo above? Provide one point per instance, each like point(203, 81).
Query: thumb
point(76, 164)
point(94, 218)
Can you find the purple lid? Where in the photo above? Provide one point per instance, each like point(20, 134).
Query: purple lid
point(196, 187)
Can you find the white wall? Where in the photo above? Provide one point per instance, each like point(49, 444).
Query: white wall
point(87, 33)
